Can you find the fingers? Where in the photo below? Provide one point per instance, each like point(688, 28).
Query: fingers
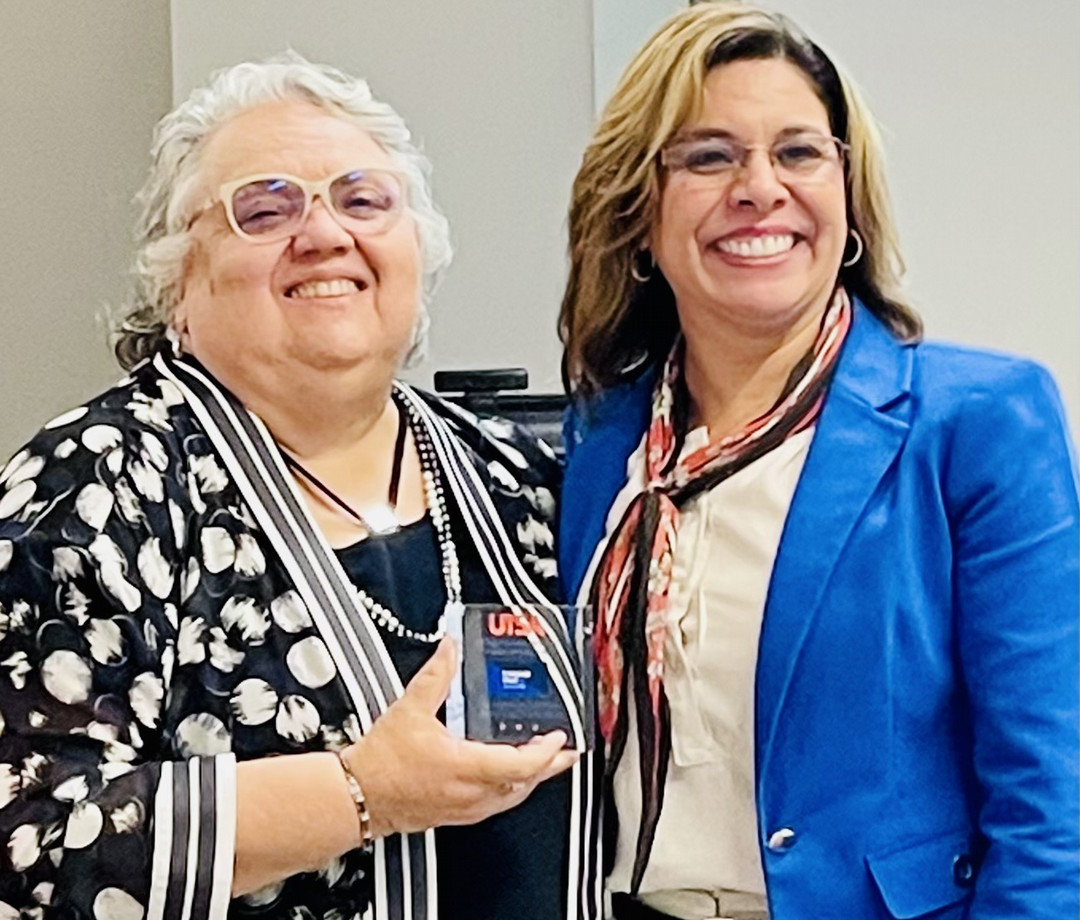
point(497, 764)
point(431, 684)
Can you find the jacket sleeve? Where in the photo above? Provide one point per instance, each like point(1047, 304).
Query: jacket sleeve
point(1013, 499)
point(95, 821)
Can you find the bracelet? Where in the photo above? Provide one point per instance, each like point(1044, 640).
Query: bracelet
point(367, 838)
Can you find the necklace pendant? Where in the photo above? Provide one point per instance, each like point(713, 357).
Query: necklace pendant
point(380, 520)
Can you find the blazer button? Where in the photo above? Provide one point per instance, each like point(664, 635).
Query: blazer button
point(963, 870)
point(783, 839)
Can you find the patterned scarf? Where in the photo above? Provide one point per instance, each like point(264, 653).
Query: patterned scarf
point(631, 588)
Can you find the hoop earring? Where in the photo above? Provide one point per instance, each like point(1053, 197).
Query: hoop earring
point(858, 250)
point(642, 277)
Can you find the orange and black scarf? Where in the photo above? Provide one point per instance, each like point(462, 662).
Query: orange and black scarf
point(631, 587)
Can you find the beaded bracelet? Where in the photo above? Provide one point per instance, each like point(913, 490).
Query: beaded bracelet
point(367, 838)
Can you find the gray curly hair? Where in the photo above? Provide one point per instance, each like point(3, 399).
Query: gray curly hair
point(166, 198)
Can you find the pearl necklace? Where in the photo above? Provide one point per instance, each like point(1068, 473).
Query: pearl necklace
point(436, 503)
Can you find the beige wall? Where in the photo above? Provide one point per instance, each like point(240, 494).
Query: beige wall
point(81, 84)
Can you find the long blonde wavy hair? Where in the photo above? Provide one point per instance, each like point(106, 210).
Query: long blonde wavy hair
point(611, 324)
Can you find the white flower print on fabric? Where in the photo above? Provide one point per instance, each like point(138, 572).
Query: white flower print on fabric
point(176, 517)
point(153, 452)
point(310, 662)
point(24, 846)
point(532, 533)
point(190, 648)
point(289, 612)
point(32, 766)
point(218, 549)
point(116, 904)
point(101, 438)
point(18, 666)
point(37, 719)
point(197, 503)
point(503, 476)
point(222, 655)
point(19, 617)
point(265, 896)
point(249, 558)
point(67, 563)
point(542, 501)
point(106, 641)
point(146, 694)
point(168, 662)
point(297, 719)
point(94, 505)
point(127, 502)
point(245, 615)
point(111, 569)
point(75, 604)
point(6, 552)
point(10, 784)
point(66, 418)
point(254, 702)
point(65, 449)
point(66, 676)
point(155, 571)
point(43, 892)
point(15, 498)
point(74, 789)
point(190, 579)
point(150, 411)
point(7, 912)
point(83, 826)
point(209, 476)
point(127, 818)
point(147, 481)
point(23, 467)
point(202, 735)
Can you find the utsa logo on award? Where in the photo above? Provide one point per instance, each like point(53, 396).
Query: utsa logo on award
point(509, 623)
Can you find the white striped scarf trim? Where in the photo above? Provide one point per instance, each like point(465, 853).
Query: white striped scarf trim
point(194, 839)
point(389, 895)
point(481, 518)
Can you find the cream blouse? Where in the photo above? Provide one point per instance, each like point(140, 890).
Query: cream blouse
point(705, 859)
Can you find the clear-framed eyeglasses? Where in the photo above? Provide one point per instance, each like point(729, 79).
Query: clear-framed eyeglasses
point(269, 207)
point(796, 158)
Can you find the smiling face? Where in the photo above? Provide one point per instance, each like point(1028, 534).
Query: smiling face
point(751, 249)
point(325, 299)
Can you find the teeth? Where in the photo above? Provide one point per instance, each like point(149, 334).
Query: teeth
point(334, 288)
point(757, 245)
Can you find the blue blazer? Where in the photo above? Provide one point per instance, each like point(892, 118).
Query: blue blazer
point(917, 679)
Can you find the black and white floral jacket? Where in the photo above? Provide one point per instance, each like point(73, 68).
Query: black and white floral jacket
point(150, 637)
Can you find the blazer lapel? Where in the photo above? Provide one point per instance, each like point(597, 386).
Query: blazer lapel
point(859, 433)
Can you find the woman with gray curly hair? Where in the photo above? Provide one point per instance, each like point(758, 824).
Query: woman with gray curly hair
point(225, 582)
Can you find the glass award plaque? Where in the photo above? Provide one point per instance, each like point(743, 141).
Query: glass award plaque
point(526, 670)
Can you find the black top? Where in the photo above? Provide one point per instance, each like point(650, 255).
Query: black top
point(513, 864)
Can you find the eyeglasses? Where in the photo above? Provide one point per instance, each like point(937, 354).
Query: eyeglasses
point(266, 208)
point(799, 158)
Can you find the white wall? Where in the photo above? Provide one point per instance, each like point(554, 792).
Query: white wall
point(981, 103)
point(81, 84)
point(500, 95)
point(620, 27)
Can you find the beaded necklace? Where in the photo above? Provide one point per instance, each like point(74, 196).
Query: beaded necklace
point(435, 499)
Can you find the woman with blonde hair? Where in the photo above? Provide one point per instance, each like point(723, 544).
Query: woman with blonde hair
point(834, 566)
